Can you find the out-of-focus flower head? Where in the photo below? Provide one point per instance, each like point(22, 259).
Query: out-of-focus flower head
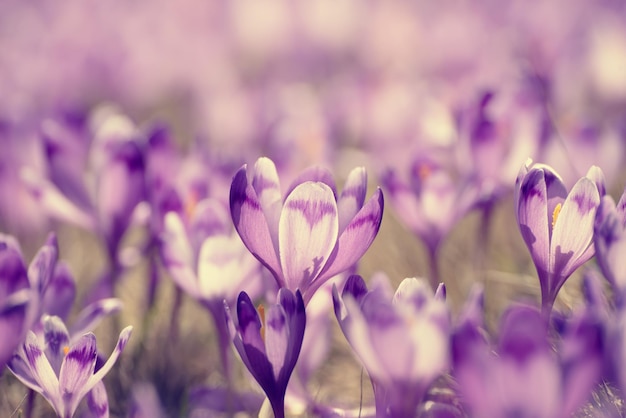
point(64, 372)
point(95, 175)
point(431, 202)
point(556, 226)
point(524, 376)
point(610, 241)
point(402, 341)
point(311, 235)
point(14, 297)
point(206, 257)
point(269, 344)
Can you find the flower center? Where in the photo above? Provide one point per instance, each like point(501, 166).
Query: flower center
point(66, 350)
point(555, 214)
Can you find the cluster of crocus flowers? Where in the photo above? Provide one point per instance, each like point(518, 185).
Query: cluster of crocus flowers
point(312, 234)
point(557, 226)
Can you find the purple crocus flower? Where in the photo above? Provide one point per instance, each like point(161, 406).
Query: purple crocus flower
point(526, 378)
point(557, 226)
point(402, 342)
point(430, 204)
point(115, 159)
point(610, 240)
point(15, 296)
point(63, 372)
point(269, 345)
point(311, 235)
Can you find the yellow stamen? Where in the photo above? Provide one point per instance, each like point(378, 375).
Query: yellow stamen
point(66, 350)
point(555, 214)
point(261, 310)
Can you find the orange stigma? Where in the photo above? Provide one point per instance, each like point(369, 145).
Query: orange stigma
point(424, 171)
point(261, 310)
point(66, 350)
point(555, 214)
point(191, 203)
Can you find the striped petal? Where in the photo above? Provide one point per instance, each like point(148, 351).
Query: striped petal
point(76, 370)
point(266, 184)
point(307, 231)
point(573, 229)
point(276, 338)
point(98, 401)
point(91, 316)
point(532, 215)
point(57, 340)
point(314, 174)
point(352, 196)
point(40, 371)
point(251, 223)
point(355, 239)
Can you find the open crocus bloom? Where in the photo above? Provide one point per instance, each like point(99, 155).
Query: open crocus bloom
point(402, 342)
point(62, 372)
point(270, 345)
point(311, 235)
point(556, 226)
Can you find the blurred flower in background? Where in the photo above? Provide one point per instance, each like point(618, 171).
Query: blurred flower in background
point(122, 129)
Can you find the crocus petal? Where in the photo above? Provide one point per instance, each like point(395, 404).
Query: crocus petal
point(573, 230)
point(276, 338)
point(98, 401)
point(267, 187)
point(106, 367)
point(60, 293)
point(55, 204)
point(523, 334)
point(13, 275)
point(41, 269)
point(77, 368)
point(307, 233)
point(316, 175)
point(352, 196)
point(251, 224)
point(293, 306)
point(532, 214)
point(12, 323)
point(177, 253)
point(91, 316)
point(610, 242)
point(249, 323)
point(57, 340)
point(356, 238)
point(223, 265)
point(41, 370)
point(596, 175)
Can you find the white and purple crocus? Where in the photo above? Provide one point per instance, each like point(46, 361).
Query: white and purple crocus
point(401, 339)
point(556, 226)
point(269, 344)
point(64, 370)
point(311, 235)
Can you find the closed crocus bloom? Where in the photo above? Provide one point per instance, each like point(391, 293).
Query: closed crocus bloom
point(62, 371)
point(311, 235)
point(402, 340)
point(269, 342)
point(524, 377)
point(610, 240)
point(557, 226)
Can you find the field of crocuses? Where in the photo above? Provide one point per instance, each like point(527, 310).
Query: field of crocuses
point(312, 208)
